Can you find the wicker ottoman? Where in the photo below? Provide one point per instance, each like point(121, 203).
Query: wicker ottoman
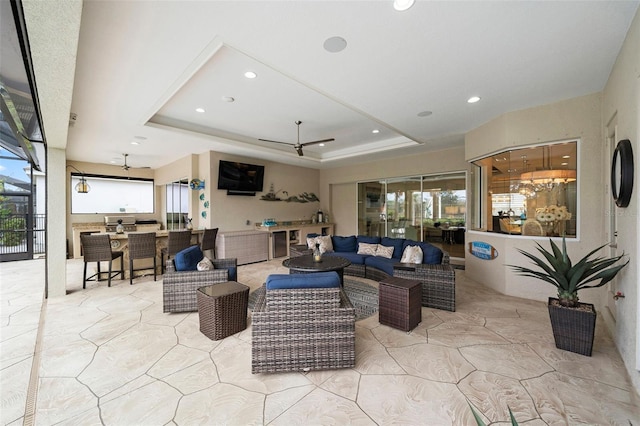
point(222, 309)
point(399, 303)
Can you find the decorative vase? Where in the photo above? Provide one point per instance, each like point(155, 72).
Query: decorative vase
point(119, 227)
point(317, 255)
point(189, 224)
point(573, 328)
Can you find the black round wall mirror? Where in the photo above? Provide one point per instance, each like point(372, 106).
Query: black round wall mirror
point(622, 173)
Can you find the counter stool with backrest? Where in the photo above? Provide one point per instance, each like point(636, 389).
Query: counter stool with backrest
point(97, 248)
point(142, 246)
point(176, 241)
point(209, 241)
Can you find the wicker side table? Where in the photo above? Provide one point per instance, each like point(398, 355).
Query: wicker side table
point(399, 303)
point(222, 309)
point(296, 250)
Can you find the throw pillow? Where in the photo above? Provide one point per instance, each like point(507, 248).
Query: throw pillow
point(187, 259)
point(325, 243)
point(205, 265)
point(366, 248)
point(384, 251)
point(344, 244)
point(412, 254)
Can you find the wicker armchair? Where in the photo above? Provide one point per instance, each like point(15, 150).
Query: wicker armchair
point(179, 287)
point(302, 329)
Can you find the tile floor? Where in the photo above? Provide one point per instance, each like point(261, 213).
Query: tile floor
point(110, 356)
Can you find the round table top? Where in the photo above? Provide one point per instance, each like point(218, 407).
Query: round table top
point(306, 263)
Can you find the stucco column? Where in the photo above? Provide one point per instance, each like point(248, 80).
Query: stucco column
point(56, 280)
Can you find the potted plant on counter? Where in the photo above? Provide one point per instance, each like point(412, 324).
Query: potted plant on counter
point(573, 322)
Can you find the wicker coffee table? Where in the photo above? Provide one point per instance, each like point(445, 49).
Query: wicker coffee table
point(399, 303)
point(306, 264)
point(222, 309)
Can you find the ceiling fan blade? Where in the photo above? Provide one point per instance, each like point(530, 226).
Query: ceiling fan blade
point(317, 142)
point(267, 140)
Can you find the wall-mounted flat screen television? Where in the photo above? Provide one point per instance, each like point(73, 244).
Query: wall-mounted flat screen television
point(234, 176)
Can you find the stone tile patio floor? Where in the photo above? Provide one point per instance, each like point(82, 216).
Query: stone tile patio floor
point(110, 356)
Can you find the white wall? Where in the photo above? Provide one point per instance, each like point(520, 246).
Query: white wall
point(621, 98)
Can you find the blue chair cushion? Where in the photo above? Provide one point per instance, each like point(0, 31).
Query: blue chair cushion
point(314, 280)
point(396, 243)
point(381, 263)
point(351, 256)
point(187, 259)
point(368, 240)
point(345, 244)
point(233, 273)
point(431, 255)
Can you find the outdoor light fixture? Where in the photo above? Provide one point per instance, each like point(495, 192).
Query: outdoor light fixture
point(82, 187)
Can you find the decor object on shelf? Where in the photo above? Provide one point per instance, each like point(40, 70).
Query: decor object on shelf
point(573, 322)
point(189, 224)
point(622, 173)
point(119, 227)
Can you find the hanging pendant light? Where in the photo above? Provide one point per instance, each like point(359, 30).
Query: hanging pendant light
point(82, 187)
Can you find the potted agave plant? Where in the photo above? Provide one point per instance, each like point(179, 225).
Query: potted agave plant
point(573, 322)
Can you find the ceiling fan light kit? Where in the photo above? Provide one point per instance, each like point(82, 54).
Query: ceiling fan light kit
point(298, 146)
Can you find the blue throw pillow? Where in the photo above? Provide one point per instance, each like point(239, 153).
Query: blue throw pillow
point(396, 243)
point(187, 259)
point(368, 240)
point(315, 280)
point(344, 244)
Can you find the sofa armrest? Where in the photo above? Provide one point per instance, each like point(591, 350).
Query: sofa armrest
point(438, 283)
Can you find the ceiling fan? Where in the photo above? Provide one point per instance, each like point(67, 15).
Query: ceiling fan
point(298, 146)
point(126, 167)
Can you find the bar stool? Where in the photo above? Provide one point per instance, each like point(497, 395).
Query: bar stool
point(142, 246)
point(176, 241)
point(97, 248)
point(209, 240)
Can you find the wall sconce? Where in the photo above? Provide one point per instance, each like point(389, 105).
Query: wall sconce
point(82, 187)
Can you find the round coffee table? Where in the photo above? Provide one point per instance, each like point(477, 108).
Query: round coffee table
point(306, 265)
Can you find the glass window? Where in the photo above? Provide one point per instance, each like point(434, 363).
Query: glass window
point(414, 207)
point(177, 204)
point(529, 191)
point(110, 194)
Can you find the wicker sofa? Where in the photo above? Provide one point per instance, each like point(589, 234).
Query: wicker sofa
point(437, 278)
point(302, 322)
point(179, 287)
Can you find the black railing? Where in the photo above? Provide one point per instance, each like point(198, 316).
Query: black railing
point(14, 231)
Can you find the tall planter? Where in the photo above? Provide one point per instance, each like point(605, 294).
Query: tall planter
point(573, 328)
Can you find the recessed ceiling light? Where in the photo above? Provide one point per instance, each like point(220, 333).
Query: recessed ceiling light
point(228, 99)
point(402, 5)
point(375, 131)
point(320, 144)
point(199, 109)
point(335, 44)
point(566, 156)
point(250, 74)
point(473, 99)
point(564, 164)
point(135, 143)
point(424, 113)
point(137, 140)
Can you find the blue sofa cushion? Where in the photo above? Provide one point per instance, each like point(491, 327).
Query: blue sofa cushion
point(353, 257)
point(345, 244)
point(368, 240)
point(431, 255)
point(315, 280)
point(187, 259)
point(396, 243)
point(381, 263)
point(233, 273)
